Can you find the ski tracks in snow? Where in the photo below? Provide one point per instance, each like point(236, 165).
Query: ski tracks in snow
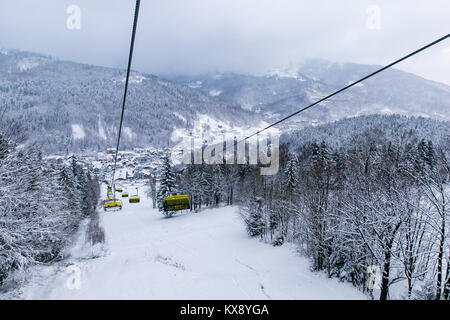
point(203, 255)
point(257, 274)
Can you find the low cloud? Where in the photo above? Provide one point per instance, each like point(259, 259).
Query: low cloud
point(251, 36)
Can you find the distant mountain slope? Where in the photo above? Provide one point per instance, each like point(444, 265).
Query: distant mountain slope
point(69, 107)
point(391, 127)
point(74, 107)
point(279, 93)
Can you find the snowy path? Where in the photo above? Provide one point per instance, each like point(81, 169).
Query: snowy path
point(205, 255)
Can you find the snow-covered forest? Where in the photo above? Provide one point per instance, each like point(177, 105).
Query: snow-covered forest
point(211, 151)
point(360, 194)
point(356, 199)
point(41, 205)
point(71, 107)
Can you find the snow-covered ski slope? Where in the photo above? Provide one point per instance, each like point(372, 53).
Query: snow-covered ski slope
point(204, 255)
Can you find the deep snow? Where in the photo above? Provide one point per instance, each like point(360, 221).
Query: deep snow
point(204, 255)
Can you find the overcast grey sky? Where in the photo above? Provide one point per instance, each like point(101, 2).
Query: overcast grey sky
point(245, 36)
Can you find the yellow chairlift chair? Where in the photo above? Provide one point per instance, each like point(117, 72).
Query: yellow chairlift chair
point(112, 205)
point(135, 198)
point(176, 203)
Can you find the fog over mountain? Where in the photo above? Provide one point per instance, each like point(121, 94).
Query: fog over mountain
point(280, 92)
point(68, 106)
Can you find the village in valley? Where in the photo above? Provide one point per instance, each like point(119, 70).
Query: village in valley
point(132, 165)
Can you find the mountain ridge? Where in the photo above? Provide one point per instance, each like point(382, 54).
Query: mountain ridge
point(68, 106)
point(386, 92)
point(71, 107)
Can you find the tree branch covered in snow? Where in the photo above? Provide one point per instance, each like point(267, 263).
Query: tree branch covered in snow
point(373, 198)
point(41, 206)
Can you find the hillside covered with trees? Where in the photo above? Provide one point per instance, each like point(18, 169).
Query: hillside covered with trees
point(361, 193)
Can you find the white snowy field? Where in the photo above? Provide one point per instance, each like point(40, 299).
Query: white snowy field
point(204, 255)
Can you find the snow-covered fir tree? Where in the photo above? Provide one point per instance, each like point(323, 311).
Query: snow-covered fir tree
point(167, 182)
point(291, 172)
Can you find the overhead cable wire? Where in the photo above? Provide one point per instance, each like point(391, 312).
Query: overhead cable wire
point(130, 57)
point(349, 86)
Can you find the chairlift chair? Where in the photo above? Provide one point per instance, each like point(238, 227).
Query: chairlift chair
point(135, 198)
point(112, 205)
point(176, 203)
